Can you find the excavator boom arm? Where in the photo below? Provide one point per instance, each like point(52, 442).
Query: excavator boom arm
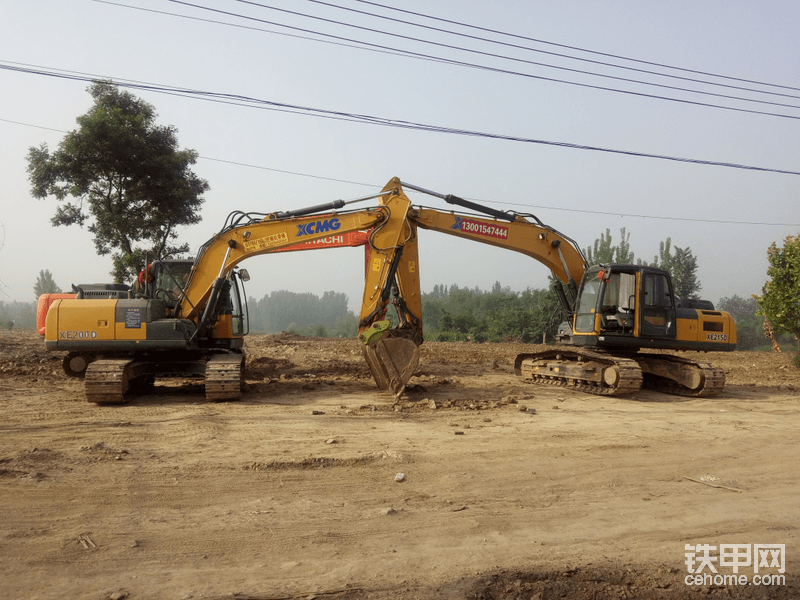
point(226, 250)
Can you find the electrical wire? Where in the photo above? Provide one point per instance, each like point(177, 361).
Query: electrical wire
point(504, 204)
point(478, 52)
point(578, 48)
point(423, 56)
point(540, 51)
point(240, 100)
point(523, 205)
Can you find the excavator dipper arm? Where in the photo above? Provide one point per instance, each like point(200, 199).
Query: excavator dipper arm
point(559, 254)
point(392, 277)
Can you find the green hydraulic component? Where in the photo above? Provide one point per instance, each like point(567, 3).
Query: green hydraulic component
point(375, 331)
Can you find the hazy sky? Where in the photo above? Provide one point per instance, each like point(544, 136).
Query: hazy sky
point(261, 157)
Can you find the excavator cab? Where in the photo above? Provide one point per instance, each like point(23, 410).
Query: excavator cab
point(607, 301)
point(164, 280)
point(626, 301)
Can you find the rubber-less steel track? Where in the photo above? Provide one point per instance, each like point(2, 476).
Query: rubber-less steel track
point(607, 374)
point(707, 380)
point(224, 377)
point(583, 370)
point(107, 380)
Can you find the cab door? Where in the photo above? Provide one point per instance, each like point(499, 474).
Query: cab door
point(657, 305)
point(241, 318)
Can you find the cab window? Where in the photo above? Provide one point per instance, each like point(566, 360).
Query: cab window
point(584, 320)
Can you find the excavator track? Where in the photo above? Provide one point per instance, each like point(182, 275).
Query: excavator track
point(582, 370)
point(609, 375)
point(224, 377)
point(108, 380)
point(680, 376)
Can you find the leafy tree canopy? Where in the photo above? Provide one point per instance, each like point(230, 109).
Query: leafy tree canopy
point(602, 252)
point(463, 314)
point(681, 264)
point(304, 314)
point(124, 175)
point(780, 298)
point(45, 284)
point(739, 308)
point(749, 326)
point(684, 274)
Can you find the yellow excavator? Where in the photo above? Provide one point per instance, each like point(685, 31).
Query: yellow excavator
point(621, 317)
point(188, 318)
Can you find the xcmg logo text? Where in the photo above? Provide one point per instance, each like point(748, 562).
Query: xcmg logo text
point(318, 227)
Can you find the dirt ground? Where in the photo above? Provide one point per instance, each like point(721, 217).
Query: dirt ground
point(314, 485)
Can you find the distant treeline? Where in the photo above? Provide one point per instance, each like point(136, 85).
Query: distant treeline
point(449, 313)
point(462, 314)
point(303, 314)
point(17, 315)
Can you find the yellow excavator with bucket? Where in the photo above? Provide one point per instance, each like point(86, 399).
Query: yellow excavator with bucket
point(625, 327)
point(188, 317)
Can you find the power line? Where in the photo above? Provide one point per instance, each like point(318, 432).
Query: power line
point(249, 102)
point(36, 126)
point(285, 172)
point(540, 51)
point(355, 45)
point(578, 48)
point(521, 205)
point(422, 56)
point(473, 51)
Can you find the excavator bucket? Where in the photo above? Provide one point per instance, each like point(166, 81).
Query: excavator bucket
point(392, 361)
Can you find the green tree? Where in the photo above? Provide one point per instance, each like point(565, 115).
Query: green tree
point(603, 252)
point(124, 175)
point(683, 269)
point(304, 314)
point(495, 316)
point(45, 284)
point(681, 266)
point(780, 298)
point(749, 326)
point(21, 315)
point(623, 251)
point(663, 260)
point(346, 326)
